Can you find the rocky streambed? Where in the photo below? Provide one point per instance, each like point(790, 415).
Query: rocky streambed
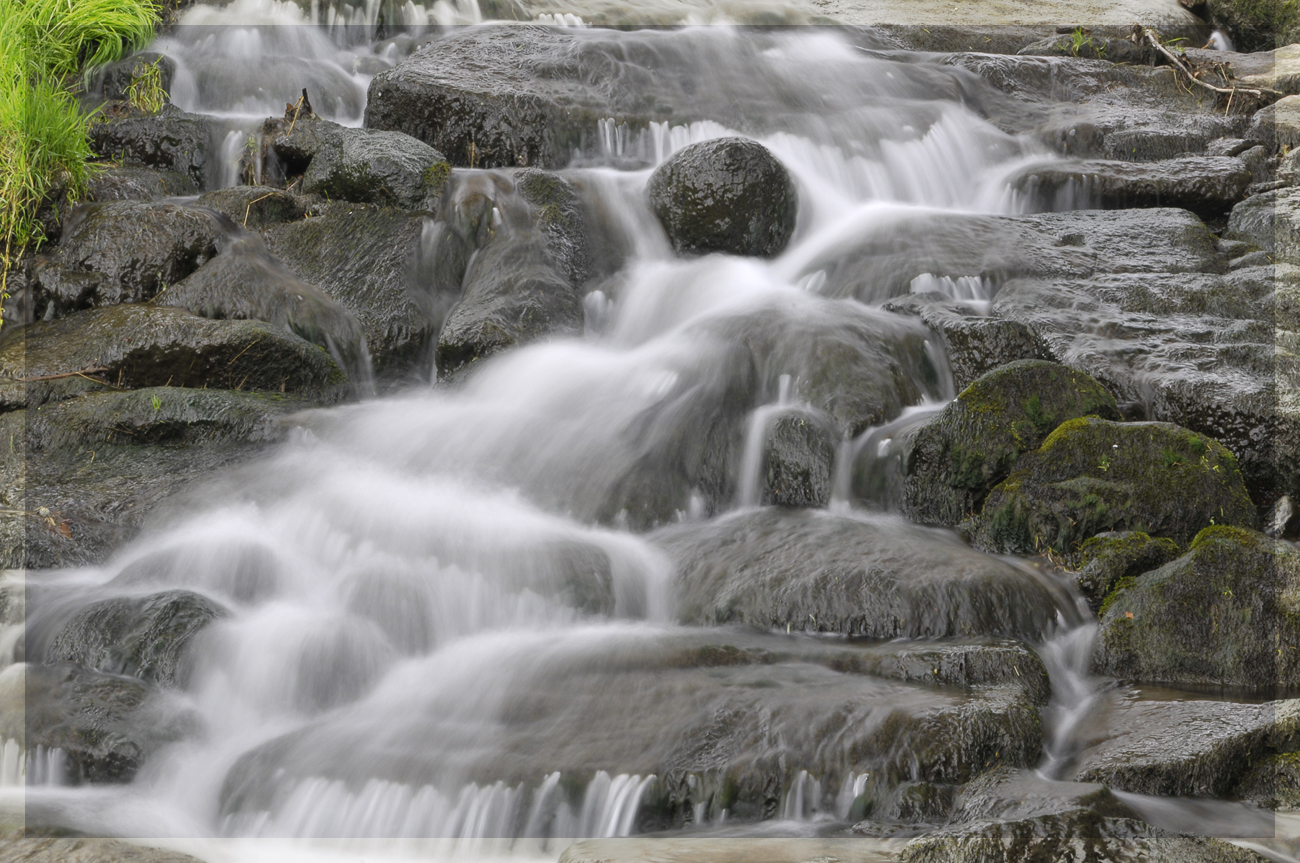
point(533, 433)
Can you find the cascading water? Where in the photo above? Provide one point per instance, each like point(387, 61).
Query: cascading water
point(432, 622)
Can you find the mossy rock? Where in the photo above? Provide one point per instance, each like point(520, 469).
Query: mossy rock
point(1273, 783)
point(970, 446)
point(1109, 557)
point(376, 167)
point(1226, 612)
point(559, 214)
point(1257, 25)
point(1092, 475)
point(254, 207)
point(798, 459)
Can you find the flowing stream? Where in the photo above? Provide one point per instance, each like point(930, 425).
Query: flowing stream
point(410, 648)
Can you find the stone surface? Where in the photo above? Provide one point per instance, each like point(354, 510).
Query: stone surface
point(1109, 557)
point(374, 167)
point(798, 459)
point(1208, 185)
point(171, 139)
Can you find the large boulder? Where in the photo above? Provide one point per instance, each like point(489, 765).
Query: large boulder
point(1110, 557)
point(797, 461)
point(1092, 475)
point(31, 849)
point(726, 195)
point(125, 252)
point(367, 166)
point(562, 218)
point(171, 139)
point(1208, 185)
point(368, 259)
point(138, 183)
point(1224, 613)
point(1271, 221)
point(815, 571)
point(245, 282)
point(256, 207)
point(88, 470)
point(135, 346)
point(105, 725)
point(145, 637)
point(953, 460)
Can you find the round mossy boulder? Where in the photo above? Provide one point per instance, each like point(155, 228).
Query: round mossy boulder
point(726, 195)
point(952, 461)
point(1109, 557)
point(1227, 612)
point(1092, 475)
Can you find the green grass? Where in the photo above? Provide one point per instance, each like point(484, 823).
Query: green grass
point(47, 47)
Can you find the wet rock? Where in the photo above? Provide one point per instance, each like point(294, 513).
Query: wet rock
point(1018, 842)
point(115, 79)
point(682, 850)
point(953, 460)
point(125, 252)
point(171, 139)
point(245, 282)
point(135, 346)
point(1109, 557)
point(799, 459)
point(878, 578)
point(1088, 46)
point(106, 724)
point(1273, 782)
point(1277, 126)
point(145, 637)
point(255, 207)
point(1269, 221)
point(368, 259)
point(99, 464)
point(1283, 520)
point(1207, 185)
point(726, 195)
point(1256, 26)
point(975, 343)
point(366, 166)
point(1198, 350)
point(562, 219)
point(1223, 613)
point(513, 295)
point(1093, 475)
point(138, 183)
point(66, 850)
point(1187, 748)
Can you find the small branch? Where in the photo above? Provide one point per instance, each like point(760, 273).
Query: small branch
point(85, 373)
point(1180, 65)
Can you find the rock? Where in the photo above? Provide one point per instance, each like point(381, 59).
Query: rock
point(115, 79)
point(1207, 185)
point(975, 343)
point(136, 346)
point(105, 724)
point(1113, 842)
point(1093, 475)
point(144, 637)
point(366, 166)
point(1269, 221)
point(798, 459)
point(138, 183)
point(1223, 613)
point(953, 460)
point(726, 195)
point(125, 252)
point(1277, 126)
point(255, 207)
point(1273, 782)
point(1256, 26)
point(1187, 748)
point(685, 850)
point(874, 578)
point(1087, 46)
point(368, 259)
point(512, 296)
point(245, 282)
point(1109, 557)
point(562, 219)
point(171, 139)
point(64, 850)
point(1283, 520)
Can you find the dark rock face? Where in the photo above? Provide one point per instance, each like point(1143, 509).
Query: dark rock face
point(115, 79)
point(101, 463)
point(137, 183)
point(798, 459)
point(245, 282)
point(125, 252)
point(367, 259)
point(1269, 221)
point(563, 221)
point(1208, 185)
point(387, 168)
point(1223, 613)
point(171, 139)
point(820, 572)
point(138, 346)
point(145, 638)
point(952, 461)
point(1092, 475)
point(63, 850)
point(103, 722)
point(727, 195)
point(1110, 557)
point(255, 207)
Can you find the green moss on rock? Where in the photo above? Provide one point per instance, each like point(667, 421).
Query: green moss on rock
point(1091, 476)
point(1109, 559)
point(1227, 612)
point(953, 461)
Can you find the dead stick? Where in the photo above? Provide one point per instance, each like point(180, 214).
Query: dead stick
point(1178, 65)
point(83, 373)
